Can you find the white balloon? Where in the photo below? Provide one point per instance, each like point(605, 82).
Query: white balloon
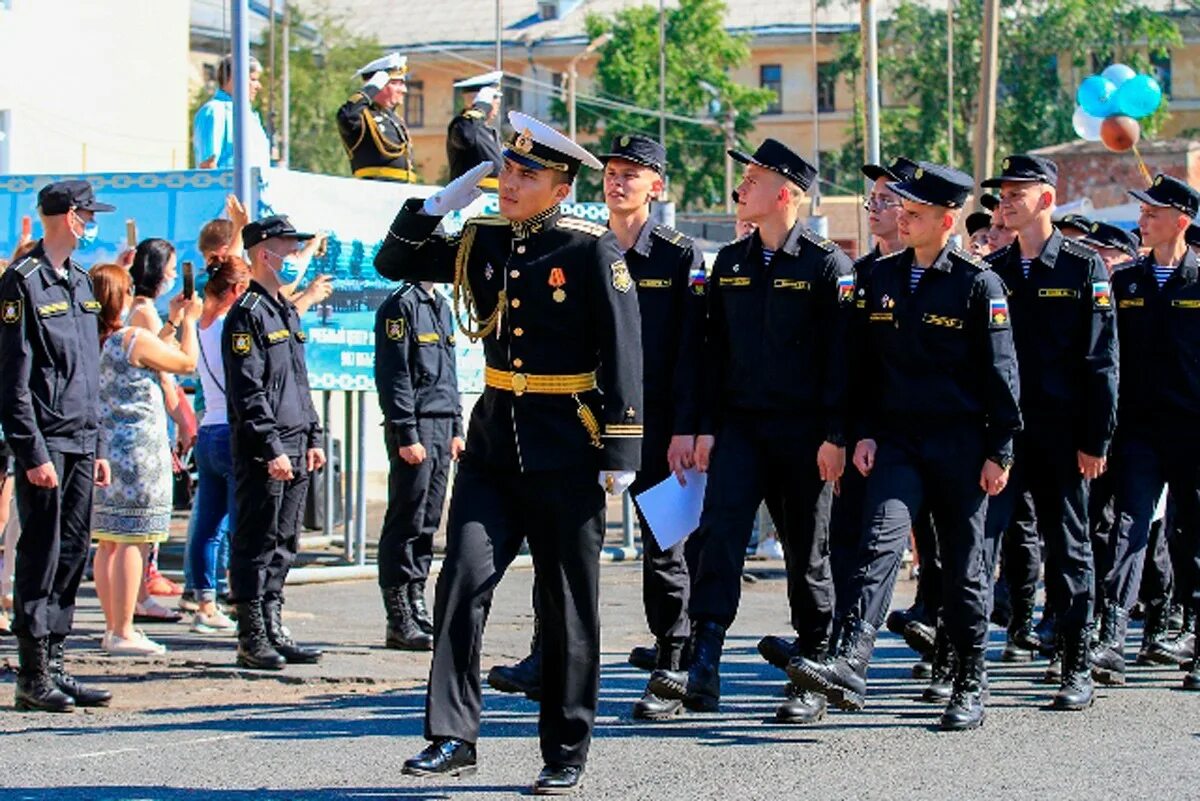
point(1118, 73)
point(1086, 126)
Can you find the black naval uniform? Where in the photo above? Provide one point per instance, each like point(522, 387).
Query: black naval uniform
point(271, 414)
point(418, 394)
point(50, 411)
point(470, 140)
point(563, 402)
point(376, 140)
point(777, 335)
point(1066, 338)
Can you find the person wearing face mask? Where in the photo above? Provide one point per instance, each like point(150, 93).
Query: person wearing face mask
point(50, 412)
point(277, 443)
point(373, 133)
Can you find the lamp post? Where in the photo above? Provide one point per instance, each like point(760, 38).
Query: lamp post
point(728, 128)
point(572, 75)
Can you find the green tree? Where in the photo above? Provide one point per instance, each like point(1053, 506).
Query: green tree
point(698, 50)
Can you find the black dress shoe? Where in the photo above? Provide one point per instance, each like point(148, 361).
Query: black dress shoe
point(446, 757)
point(644, 657)
point(558, 780)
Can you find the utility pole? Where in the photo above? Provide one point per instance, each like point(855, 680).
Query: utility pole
point(985, 144)
point(272, 74)
point(662, 73)
point(285, 125)
point(871, 71)
point(730, 144)
point(499, 41)
point(241, 102)
point(815, 196)
point(950, 83)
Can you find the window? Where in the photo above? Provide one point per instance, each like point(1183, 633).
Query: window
point(826, 87)
point(770, 76)
point(547, 9)
point(512, 95)
point(1160, 68)
point(414, 105)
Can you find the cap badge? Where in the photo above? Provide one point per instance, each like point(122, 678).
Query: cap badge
point(1004, 164)
point(919, 173)
point(1095, 227)
point(524, 143)
point(624, 141)
point(1158, 180)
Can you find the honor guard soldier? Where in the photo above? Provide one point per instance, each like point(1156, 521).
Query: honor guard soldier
point(471, 139)
point(1065, 329)
point(555, 306)
point(1157, 302)
point(779, 309)
point(418, 394)
point(50, 412)
point(371, 123)
point(936, 431)
point(277, 443)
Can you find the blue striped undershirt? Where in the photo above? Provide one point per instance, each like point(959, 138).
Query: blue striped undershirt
point(1162, 272)
point(767, 255)
point(914, 277)
point(1025, 266)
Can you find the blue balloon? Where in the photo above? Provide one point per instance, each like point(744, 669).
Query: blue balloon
point(1139, 97)
point(1118, 74)
point(1096, 96)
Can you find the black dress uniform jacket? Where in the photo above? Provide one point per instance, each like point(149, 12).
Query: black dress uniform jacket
point(1160, 343)
point(554, 272)
point(270, 403)
point(49, 361)
point(942, 356)
point(778, 332)
point(414, 361)
point(375, 138)
point(470, 141)
point(1066, 336)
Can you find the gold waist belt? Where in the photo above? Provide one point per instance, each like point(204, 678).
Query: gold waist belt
point(390, 173)
point(520, 383)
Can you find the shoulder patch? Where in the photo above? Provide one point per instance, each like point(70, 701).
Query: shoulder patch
point(672, 237)
point(818, 240)
point(884, 259)
point(10, 312)
point(473, 114)
point(583, 226)
point(969, 258)
point(250, 300)
point(241, 342)
point(998, 255)
point(487, 219)
point(26, 267)
point(1078, 248)
point(395, 329)
point(403, 289)
point(622, 281)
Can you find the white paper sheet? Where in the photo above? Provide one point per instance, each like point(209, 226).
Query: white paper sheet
point(672, 511)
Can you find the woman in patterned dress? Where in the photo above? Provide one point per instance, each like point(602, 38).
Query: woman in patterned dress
point(135, 509)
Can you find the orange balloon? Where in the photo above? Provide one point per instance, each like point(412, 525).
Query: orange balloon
point(1119, 133)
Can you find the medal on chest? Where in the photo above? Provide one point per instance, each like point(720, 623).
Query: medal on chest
point(558, 280)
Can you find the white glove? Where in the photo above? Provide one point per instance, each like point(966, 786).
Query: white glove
point(615, 482)
point(459, 193)
point(379, 79)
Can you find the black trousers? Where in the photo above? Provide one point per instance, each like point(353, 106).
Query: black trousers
point(1147, 462)
point(938, 471)
point(1047, 492)
point(266, 531)
point(416, 494)
point(1012, 537)
point(665, 579)
point(491, 513)
point(772, 458)
point(51, 552)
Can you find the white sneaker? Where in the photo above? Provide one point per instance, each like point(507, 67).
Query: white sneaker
point(137, 645)
point(769, 548)
point(216, 623)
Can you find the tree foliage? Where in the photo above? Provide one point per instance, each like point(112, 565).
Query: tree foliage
point(698, 49)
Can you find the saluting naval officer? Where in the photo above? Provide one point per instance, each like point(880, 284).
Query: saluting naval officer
point(418, 394)
point(50, 413)
point(277, 443)
point(559, 425)
point(1065, 330)
point(936, 431)
point(779, 310)
point(371, 123)
point(471, 138)
point(1157, 301)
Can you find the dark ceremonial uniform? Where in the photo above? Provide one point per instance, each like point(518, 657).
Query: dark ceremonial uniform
point(470, 140)
point(376, 139)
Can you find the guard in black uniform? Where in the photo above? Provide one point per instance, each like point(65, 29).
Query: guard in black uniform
point(1065, 330)
point(277, 443)
point(373, 133)
point(50, 411)
point(559, 423)
point(936, 430)
point(471, 139)
point(777, 362)
point(418, 394)
point(1158, 435)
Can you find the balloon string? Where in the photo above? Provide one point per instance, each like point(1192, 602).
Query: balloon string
point(1142, 166)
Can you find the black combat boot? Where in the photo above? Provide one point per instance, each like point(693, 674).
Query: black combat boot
point(1023, 641)
point(897, 619)
point(254, 647)
point(281, 638)
point(644, 657)
point(416, 602)
point(1175, 651)
point(803, 705)
point(778, 651)
point(84, 696)
point(699, 687)
point(1076, 692)
point(965, 710)
point(1192, 680)
point(941, 683)
point(1154, 631)
point(525, 677)
point(36, 691)
point(841, 677)
point(1108, 656)
point(403, 631)
point(669, 656)
point(1047, 633)
point(922, 638)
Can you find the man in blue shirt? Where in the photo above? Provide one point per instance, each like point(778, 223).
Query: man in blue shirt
point(212, 129)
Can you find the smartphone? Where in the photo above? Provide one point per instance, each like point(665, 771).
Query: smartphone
point(189, 280)
point(131, 233)
point(26, 227)
point(322, 249)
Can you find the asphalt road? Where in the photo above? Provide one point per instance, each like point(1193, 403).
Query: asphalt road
point(191, 726)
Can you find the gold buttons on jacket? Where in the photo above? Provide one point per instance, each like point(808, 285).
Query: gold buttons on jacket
point(514, 274)
point(518, 332)
point(520, 248)
point(515, 303)
point(518, 363)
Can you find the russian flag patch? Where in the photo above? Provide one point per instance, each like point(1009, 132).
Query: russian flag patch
point(1101, 295)
point(845, 288)
point(998, 312)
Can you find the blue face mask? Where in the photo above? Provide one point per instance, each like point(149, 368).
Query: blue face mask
point(289, 268)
